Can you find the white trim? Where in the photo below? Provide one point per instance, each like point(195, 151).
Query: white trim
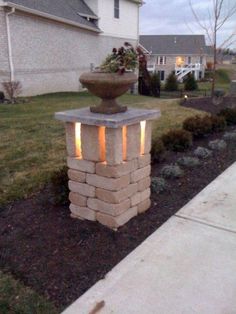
point(48, 16)
point(144, 49)
point(118, 36)
point(12, 74)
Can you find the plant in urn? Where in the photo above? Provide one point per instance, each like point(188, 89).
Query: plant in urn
point(112, 79)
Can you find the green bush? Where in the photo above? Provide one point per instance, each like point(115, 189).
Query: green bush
point(190, 83)
point(59, 187)
point(198, 126)
point(218, 123)
point(177, 140)
point(155, 84)
point(171, 83)
point(158, 150)
point(229, 114)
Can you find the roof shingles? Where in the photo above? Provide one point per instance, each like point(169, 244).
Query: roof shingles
point(173, 44)
point(68, 9)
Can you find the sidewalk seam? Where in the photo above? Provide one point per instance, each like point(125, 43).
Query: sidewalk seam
point(204, 223)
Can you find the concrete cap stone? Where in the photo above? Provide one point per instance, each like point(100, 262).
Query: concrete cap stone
point(131, 116)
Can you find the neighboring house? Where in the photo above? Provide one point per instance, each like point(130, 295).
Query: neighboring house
point(47, 44)
point(181, 54)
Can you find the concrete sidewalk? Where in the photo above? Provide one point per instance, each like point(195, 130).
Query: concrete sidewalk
point(186, 266)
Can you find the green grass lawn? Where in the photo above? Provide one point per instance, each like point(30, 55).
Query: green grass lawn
point(32, 142)
point(16, 299)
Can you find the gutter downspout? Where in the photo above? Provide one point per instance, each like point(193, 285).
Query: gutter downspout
point(12, 74)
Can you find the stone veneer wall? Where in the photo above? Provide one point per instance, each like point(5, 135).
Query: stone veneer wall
point(49, 56)
point(109, 172)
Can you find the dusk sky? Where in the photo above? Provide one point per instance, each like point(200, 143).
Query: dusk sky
point(175, 17)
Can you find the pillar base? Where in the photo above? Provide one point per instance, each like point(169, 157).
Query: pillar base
point(109, 164)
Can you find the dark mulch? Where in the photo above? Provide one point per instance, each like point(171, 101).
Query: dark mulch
point(61, 258)
point(205, 104)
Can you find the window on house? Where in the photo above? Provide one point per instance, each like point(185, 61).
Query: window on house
point(117, 9)
point(201, 60)
point(162, 75)
point(189, 60)
point(161, 60)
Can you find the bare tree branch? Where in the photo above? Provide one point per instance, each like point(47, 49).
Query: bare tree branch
point(218, 15)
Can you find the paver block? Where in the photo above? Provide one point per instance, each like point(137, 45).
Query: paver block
point(126, 167)
point(110, 209)
point(140, 197)
point(144, 184)
point(72, 149)
point(144, 206)
point(82, 188)
point(133, 141)
point(114, 146)
point(144, 160)
point(139, 174)
point(81, 164)
point(75, 175)
point(117, 197)
point(83, 212)
point(118, 221)
point(93, 142)
point(77, 199)
point(110, 184)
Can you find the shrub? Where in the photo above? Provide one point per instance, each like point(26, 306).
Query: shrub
point(202, 152)
point(143, 87)
point(198, 126)
point(59, 186)
point(188, 162)
point(230, 136)
point(2, 97)
point(155, 84)
point(190, 83)
point(218, 123)
point(218, 93)
point(218, 145)
point(171, 83)
point(158, 150)
point(177, 140)
point(12, 89)
point(172, 171)
point(229, 114)
point(158, 185)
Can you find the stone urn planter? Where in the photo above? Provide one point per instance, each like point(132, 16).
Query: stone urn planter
point(108, 86)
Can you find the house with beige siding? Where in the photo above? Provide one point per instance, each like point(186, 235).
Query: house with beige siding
point(182, 54)
point(47, 44)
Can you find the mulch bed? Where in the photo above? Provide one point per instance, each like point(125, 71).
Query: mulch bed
point(205, 104)
point(61, 258)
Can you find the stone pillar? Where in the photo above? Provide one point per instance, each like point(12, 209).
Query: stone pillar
point(109, 164)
